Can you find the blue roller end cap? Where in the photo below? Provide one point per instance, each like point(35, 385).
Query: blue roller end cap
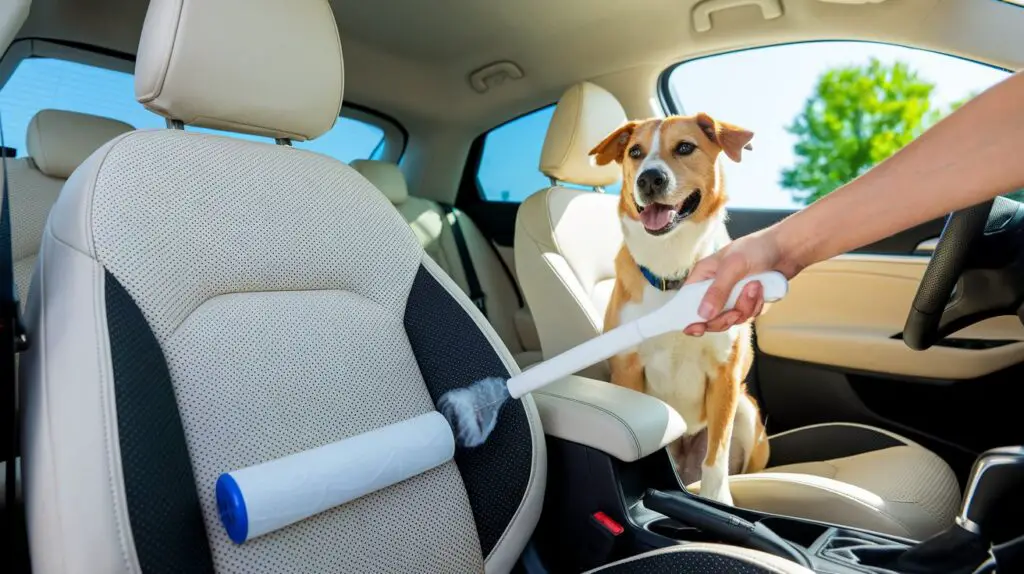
point(231, 507)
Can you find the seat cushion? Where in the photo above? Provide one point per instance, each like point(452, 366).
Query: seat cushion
point(703, 558)
point(854, 475)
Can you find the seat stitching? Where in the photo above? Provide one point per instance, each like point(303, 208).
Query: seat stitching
point(826, 488)
point(45, 400)
point(627, 426)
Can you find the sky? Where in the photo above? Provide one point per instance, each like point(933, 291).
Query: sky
point(761, 89)
point(41, 83)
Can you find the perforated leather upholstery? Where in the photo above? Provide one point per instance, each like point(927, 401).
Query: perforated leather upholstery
point(566, 241)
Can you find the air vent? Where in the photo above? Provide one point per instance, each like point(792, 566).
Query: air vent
point(493, 75)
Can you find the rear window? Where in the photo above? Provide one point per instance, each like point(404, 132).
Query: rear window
point(41, 83)
point(509, 165)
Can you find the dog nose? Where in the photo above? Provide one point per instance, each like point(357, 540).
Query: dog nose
point(652, 182)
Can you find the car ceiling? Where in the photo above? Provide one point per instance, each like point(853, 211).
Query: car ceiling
point(411, 58)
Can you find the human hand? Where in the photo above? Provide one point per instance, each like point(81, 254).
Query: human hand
point(754, 253)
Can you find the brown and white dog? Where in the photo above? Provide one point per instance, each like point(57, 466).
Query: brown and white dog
point(672, 209)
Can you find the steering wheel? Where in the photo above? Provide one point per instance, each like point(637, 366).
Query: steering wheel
point(976, 272)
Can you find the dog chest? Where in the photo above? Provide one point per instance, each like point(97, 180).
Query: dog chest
point(677, 366)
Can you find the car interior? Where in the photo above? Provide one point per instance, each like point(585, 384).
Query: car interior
point(243, 229)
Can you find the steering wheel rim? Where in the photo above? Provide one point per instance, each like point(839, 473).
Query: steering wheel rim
point(937, 290)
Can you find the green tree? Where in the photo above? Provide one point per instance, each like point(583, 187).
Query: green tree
point(856, 117)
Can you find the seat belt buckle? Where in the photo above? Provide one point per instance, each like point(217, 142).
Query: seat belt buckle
point(481, 304)
point(600, 544)
point(21, 341)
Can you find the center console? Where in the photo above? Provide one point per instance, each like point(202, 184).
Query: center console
point(599, 509)
point(612, 493)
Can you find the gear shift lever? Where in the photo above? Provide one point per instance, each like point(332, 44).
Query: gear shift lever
point(990, 512)
point(993, 495)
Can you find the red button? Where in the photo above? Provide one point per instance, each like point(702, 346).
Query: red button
point(610, 525)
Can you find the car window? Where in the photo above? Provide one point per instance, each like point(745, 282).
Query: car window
point(41, 83)
point(348, 140)
point(509, 165)
point(822, 113)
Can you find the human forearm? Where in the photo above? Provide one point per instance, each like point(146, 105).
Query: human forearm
point(974, 154)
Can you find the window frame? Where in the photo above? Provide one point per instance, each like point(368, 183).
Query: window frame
point(391, 148)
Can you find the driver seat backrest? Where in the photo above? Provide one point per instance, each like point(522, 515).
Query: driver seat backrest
point(203, 303)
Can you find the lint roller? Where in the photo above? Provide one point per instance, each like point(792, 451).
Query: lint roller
point(259, 499)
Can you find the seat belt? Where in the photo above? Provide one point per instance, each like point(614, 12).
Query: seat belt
point(13, 339)
point(476, 294)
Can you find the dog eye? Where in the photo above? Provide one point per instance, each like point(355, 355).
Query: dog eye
point(685, 148)
point(635, 152)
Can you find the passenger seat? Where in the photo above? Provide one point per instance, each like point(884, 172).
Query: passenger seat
point(58, 141)
point(432, 227)
point(566, 241)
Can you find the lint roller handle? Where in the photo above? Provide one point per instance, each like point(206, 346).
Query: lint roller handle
point(675, 315)
point(575, 359)
point(681, 310)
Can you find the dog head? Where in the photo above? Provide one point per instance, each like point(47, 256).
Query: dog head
point(669, 167)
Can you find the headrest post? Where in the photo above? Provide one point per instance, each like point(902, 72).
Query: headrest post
point(283, 141)
point(553, 181)
point(175, 124)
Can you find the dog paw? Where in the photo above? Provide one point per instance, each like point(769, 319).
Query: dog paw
point(721, 494)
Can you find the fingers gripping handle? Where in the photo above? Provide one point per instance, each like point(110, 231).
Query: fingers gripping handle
point(675, 315)
point(773, 286)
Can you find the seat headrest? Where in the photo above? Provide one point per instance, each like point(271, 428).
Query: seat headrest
point(263, 67)
point(59, 141)
point(584, 116)
point(385, 176)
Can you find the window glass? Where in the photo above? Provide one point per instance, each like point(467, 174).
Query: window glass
point(822, 112)
point(349, 139)
point(508, 169)
point(41, 83)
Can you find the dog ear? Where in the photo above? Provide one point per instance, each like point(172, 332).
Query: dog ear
point(732, 139)
point(613, 147)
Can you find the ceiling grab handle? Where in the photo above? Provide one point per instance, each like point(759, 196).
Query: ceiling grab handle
point(701, 14)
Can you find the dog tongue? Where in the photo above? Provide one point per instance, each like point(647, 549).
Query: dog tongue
point(656, 216)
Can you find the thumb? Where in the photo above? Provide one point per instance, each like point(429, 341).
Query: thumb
point(728, 275)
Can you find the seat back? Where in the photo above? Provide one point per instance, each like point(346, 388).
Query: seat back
point(58, 141)
point(203, 304)
point(566, 239)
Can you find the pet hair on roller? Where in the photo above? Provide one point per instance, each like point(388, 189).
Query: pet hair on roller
point(259, 499)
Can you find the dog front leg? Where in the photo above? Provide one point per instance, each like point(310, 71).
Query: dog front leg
point(721, 397)
point(627, 371)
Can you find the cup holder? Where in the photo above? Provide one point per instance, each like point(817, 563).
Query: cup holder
point(670, 528)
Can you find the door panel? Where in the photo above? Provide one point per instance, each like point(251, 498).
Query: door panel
point(848, 312)
point(745, 221)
